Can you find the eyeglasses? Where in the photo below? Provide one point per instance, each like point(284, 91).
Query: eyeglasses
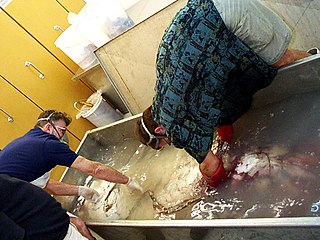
point(55, 127)
point(151, 136)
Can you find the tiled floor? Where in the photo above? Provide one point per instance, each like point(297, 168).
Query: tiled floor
point(303, 16)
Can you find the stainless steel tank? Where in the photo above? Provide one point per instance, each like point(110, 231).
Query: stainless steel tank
point(286, 113)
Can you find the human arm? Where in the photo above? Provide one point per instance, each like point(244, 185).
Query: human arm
point(104, 172)
point(99, 170)
point(59, 188)
point(64, 189)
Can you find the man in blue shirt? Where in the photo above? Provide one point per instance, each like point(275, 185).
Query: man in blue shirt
point(213, 57)
point(33, 155)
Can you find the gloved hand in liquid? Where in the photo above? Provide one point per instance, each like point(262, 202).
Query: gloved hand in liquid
point(88, 193)
point(225, 133)
point(218, 177)
point(132, 184)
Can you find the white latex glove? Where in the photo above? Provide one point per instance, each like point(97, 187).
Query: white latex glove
point(132, 184)
point(88, 193)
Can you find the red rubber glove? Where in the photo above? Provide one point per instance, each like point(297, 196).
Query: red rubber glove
point(225, 133)
point(217, 178)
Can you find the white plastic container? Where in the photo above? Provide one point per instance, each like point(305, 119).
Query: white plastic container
point(102, 20)
point(98, 111)
point(77, 47)
point(89, 26)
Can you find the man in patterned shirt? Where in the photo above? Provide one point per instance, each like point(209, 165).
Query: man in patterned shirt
point(212, 58)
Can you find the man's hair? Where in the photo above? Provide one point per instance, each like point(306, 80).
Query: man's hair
point(52, 116)
point(151, 125)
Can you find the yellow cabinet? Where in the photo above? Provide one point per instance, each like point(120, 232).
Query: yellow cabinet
point(22, 111)
point(56, 90)
point(39, 18)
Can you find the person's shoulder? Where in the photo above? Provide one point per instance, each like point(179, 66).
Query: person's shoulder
point(36, 132)
point(40, 134)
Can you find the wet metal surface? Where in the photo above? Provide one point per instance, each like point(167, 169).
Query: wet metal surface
point(276, 150)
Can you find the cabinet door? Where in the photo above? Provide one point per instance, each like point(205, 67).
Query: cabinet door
point(39, 17)
point(22, 110)
point(72, 5)
point(56, 90)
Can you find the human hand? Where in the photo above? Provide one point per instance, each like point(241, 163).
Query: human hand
point(81, 227)
point(217, 177)
point(88, 193)
point(132, 184)
point(225, 133)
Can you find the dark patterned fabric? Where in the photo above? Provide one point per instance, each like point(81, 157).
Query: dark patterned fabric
point(206, 77)
point(28, 212)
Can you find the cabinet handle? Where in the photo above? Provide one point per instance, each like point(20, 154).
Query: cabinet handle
point(57, 27)
point(10, 118)
point(28, 64)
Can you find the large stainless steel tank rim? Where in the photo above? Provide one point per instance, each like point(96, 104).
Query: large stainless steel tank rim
point(250, 222)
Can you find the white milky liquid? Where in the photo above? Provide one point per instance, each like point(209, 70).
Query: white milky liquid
point(277, 158)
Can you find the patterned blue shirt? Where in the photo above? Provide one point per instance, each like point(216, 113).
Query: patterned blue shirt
point(206, 77)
